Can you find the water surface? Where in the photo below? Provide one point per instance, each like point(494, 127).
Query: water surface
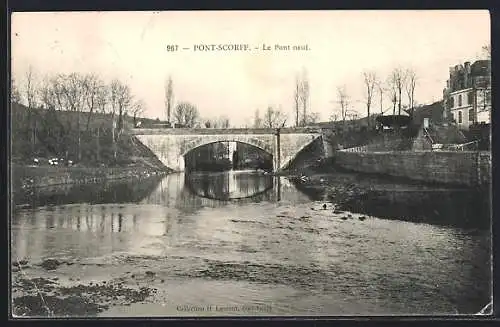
point(245, 243)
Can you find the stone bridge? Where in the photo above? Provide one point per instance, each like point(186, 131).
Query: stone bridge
point(170, 145)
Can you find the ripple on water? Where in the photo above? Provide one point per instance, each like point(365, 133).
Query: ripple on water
point(294, 255)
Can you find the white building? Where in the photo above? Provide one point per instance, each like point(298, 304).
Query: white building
point(467, 97)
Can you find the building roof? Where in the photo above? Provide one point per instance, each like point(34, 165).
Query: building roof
point(390, 120)
point(434, 111)
point(480, 68)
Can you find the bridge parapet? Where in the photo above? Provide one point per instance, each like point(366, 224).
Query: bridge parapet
point(218, 131)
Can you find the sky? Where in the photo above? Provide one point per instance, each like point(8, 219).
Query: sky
point(132, 46)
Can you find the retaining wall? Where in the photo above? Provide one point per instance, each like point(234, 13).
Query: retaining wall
point(28, 177)
point(459, 168)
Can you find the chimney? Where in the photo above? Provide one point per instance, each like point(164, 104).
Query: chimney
point(467, 74)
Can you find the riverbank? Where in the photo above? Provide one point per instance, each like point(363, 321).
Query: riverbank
point(28, 177)
point(396, 197)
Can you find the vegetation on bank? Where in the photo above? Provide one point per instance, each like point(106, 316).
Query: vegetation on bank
point(56, 137)
point(363, 131)
point(95, 153)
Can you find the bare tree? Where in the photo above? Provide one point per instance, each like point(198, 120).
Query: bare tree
point(74, 93)
point(223, 122)
point(397, 78)
point(120, 101)
point(393, 92)
point(15, 94)
point(304, 96)
point(411, 83)
point(274, 118)
point(124, 104)
point(296, 98)
point(169, 96)
point(102, 102)
point(103, 98)
point(91, 85)
point(137, 108)
point(370, 80)
point(46, 92)
point(30, 93)
point(352, 115)
point(186, 114)
point(312, 118)
point(381, 90)
point(30, 89)
point(269, 117)
point(343, 102)
point(257, 121)
point(56, 85)
point(487, 51)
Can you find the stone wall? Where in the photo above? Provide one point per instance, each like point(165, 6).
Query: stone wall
point(459, 168)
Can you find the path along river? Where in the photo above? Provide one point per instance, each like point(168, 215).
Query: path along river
point(244, 243)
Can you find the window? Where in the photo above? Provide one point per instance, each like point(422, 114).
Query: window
point(470, 98)
point(459, 100)
point(460, 117)
point(471, 114)
point(452, 102)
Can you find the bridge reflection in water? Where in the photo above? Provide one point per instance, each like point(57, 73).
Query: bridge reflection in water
point(231, 185)
point(190, 192)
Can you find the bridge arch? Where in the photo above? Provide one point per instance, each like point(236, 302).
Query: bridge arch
point(171, 145)
point(201, 141)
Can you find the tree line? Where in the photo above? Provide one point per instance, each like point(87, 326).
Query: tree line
point(186, 114)
point(399, 85)
point(275, 116)
point(85, 96)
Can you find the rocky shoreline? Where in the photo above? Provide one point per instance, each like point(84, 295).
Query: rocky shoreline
point(50, 296)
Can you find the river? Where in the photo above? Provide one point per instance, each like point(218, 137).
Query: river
point(245, 243)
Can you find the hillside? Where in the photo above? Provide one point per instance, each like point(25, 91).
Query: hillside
point(47, 134)
point(354, 133)
point(434, 111)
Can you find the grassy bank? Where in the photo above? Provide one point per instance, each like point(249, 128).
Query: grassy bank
point(87, 140)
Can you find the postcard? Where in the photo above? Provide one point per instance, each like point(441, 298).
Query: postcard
point(250, 163)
